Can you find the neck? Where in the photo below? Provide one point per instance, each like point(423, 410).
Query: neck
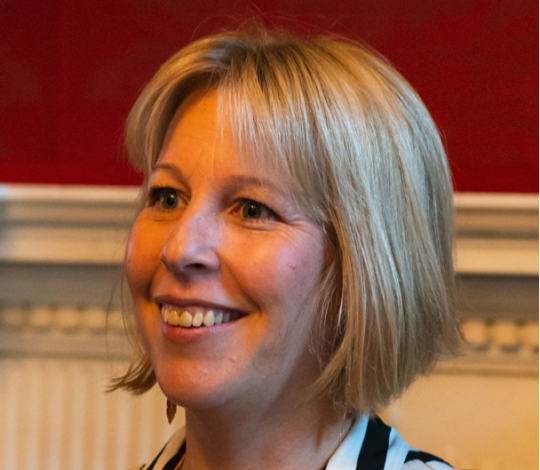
point(289, 436)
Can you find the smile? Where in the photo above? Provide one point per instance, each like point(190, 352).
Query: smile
point(196, 317)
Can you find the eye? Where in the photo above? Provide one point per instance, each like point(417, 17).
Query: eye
point(169, 199)
point(253, 210)
point(166, 197)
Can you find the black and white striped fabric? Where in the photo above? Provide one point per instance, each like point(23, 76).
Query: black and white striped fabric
point(370, 445)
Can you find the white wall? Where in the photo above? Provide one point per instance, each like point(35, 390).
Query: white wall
point(60, 254)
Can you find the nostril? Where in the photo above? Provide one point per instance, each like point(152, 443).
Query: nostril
point(196, 266)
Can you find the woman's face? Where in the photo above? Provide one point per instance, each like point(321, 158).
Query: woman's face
point(219, 238)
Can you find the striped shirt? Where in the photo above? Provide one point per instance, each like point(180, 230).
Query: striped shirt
point(370, 445)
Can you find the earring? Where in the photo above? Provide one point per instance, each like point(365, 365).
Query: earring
point(171, 410)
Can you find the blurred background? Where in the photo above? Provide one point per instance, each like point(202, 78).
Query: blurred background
point(72, 70)
point(69, 74)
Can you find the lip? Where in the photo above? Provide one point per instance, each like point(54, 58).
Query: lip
point(179, 334)
point(193, 302)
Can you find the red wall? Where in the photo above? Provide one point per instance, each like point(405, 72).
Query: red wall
point(70, 70)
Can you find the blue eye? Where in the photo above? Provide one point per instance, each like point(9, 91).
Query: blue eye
point(253, 210)
point(167, 197)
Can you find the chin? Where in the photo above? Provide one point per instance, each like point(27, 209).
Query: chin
point(194, 388)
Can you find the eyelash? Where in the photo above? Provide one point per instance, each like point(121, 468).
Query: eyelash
point(242, 203)
point(156, 194)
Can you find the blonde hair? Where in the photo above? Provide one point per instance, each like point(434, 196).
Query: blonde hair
point(365, 160)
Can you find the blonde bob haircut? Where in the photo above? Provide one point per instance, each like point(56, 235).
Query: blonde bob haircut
point(363, 158)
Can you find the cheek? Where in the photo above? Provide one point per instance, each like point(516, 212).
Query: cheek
point(299, 271)
point(283, 275)
point(142, 258)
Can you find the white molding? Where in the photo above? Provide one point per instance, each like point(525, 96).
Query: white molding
point(521, 202)
point(98, 347)
point(89, 194)
point(65, 224)
point(497, 234)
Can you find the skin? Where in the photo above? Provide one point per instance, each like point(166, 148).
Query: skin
point(243, 386)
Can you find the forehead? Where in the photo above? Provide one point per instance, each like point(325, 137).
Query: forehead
point(198, 131)
point(200, 137)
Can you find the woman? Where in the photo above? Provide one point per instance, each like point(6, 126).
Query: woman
point(291, 266)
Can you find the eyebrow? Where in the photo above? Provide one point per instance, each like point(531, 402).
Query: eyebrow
point(233, 181)
point(173, 168)
point(242, 181)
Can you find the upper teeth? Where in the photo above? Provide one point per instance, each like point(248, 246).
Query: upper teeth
point(197, 317)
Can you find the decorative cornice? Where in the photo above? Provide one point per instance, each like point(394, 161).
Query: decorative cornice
point(502, 347)
point(62, 331)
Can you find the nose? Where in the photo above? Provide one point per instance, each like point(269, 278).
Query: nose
point(191, 246)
